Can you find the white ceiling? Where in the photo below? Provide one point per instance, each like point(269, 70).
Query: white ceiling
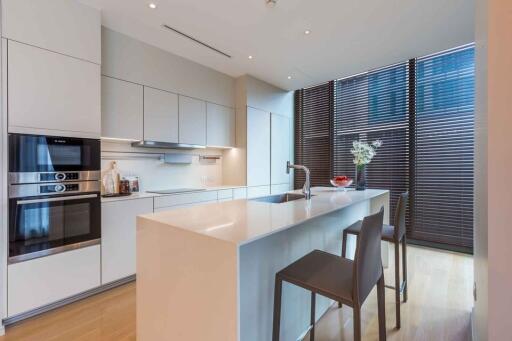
point(347, 36)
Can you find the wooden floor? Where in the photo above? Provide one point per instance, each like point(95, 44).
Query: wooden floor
point(439, 306)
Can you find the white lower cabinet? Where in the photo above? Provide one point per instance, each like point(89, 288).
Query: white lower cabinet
point(186, 198)
point(239, 193)
point(279, 189)
point(118, 237)
point(257, 191)
point(45, 280)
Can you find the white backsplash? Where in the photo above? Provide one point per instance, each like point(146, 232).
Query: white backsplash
point(155, 174)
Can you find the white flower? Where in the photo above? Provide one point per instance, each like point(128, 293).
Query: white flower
point(364, 152)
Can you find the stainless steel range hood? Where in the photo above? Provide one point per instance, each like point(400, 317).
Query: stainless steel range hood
point(167, 145)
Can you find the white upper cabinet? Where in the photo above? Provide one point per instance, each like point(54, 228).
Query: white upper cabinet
point(192, 121)
point(52, 94)
point(63, 26)
point(121, 109)
point(160, 116)
point(280, 149)
point(220, 131)
point(258, 147)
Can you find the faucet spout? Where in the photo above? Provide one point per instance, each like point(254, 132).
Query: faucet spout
point(306, 189)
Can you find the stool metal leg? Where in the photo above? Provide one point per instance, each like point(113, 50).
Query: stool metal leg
point(404, 265)
point(357, 323)
point(277, 309)
point(397, 283)
point(381, 302)
point(344, 244)
point(313, 305)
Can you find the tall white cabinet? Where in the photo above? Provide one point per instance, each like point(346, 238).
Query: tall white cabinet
point(280, 151)
point(52, 93)
point(258, 152)
point(53, 63)
point(268, 151)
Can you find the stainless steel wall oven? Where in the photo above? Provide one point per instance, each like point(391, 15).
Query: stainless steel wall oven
point(54, 195)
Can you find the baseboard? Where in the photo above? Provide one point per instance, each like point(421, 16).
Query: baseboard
point(37, 311)
point(472, 324)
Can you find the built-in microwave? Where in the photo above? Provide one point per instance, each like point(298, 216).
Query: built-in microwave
point(54, 195)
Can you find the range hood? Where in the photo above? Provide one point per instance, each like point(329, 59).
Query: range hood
point(167, 145)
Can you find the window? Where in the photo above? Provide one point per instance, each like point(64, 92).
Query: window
point(442, 184)
point(422, 110)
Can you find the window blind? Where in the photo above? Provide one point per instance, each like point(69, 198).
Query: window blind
point(313, 134)
point(423, 111)
point(374, 106)
point(442, 185)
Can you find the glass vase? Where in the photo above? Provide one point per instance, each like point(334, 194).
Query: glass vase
point(360, 177)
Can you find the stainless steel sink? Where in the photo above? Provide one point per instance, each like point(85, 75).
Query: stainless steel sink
point(280, 198)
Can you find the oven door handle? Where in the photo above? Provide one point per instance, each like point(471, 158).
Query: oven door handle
point(72, 197)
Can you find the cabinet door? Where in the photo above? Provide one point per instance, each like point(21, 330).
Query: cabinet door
point(52, 93)
point(280, 149)
point(160, 116)
point(192, 114)
point(118, 231)
point(121, 109)
point(63, 26)
point(220, 131)
point(45, 280)
point(258, 147)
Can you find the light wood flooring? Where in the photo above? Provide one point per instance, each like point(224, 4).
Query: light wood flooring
point(439, 307)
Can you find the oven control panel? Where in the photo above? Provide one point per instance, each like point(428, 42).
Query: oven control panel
point(58, 188)
point(59, 176)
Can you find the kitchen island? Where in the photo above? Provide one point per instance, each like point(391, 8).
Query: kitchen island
point(207, 272)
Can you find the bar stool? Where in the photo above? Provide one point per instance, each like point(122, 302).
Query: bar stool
point(340, 279)
point(393, 234)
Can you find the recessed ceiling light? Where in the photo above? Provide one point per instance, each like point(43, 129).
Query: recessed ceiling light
point(289, 77)
point(152, 5)
point(250, 57)
point(307, 32)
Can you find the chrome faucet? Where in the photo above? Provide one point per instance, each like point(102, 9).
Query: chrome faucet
point(306, 189)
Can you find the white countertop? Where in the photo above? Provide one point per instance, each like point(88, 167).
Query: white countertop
point(143, 195)
point(243, 221)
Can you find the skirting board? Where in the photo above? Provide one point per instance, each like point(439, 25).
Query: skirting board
point(472, 319)
point(66, 301)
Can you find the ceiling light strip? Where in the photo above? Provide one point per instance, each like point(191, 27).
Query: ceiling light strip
point(196, 40)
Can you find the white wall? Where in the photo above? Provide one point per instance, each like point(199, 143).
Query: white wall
point(132, 60)
point(480, 193)
point(155, 174)
point(493, 233)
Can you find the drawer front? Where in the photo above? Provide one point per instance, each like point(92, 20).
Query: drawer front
point(170, 208)
point(225, 194)
point(258, 191)
point(279, 189)
point(240, 193)
point(187, 198)
point(45, 280)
